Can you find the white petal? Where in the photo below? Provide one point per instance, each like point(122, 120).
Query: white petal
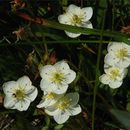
point(72, 35)
point(64, 19)
point(24, 82)
point(123, 63)
point(73, 9)
point(87, 13)
point(104, 79)
point(45, 103)
point(32, 94)
point(9, 102)
point(52, 110)
point(9, 87)
point(62, 66)
point(73, 97)
point(22, 105)
point(70, 76)
point(61, 118)
point(115, 84)
point(110, 59)
point(87, 24)
point(47, 86)
point(75, 110)
point(112, 46)
point(60, 88)
point(46, 72)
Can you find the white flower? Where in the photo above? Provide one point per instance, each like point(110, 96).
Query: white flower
point(113, 76)
point(48, 99)
point(76, 16)
point(67, 106)
point(55, 78)
point(118, 54)
point(19, 94)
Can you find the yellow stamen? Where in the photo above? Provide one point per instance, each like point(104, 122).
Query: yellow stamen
point(122, 53)
point(19, 94)
point(57, 77)
point(114, 73)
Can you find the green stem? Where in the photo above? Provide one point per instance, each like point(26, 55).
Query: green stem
point(97, 73)
point(54, 42)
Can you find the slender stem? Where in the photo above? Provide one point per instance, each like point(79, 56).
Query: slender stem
point(54, 42)
point(97, 72)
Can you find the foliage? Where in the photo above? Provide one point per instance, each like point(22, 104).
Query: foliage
point(44, 41)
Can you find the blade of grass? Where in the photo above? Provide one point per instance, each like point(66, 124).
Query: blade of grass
point(97, 71)
point(51, 24)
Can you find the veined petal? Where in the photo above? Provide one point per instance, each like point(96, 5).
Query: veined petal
point(64, 19)
point(70, 76)
point(52, 110)
point(72, 35)
point(24, 82)
point(73, 9)
point(60, 88)
point(9, 102)
point(32, 94)
point(62, 66)
point(9, 87)
point(87, 13)
point(47, 86)
point(22, 105)
point(46, 71)
point(110, 59)
point(87, 24)
point(46, 103)
point(115, 84)
point(75, 110)
point(61, 118)
point(104, 79)
point(73, 97)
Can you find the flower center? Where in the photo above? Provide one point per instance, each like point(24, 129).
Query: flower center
point(19, 94)
point(114, 74)
point(122, 53)
point(57, 77)
point(50, 95)
point(76, 20)
point(64, 104)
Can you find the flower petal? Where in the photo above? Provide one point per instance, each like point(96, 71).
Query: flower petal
point(47, 86)
point(45, 103)
point(73, 9)
point(72, 35)
point(64, 19)
point(9, 87)
point(115, 84)
point(25, 83)
point(60, 88)
point(73, 97)
point(61, 118)
point(32, 94)
point(87, 24)
point(9, 102)
point(22, 105)
point(70, 76)
point(110, 59)
point(52, 110)
point(62, 66)
point(75, 110)
point(104, 79)
point(46, 71)
point(87, 13)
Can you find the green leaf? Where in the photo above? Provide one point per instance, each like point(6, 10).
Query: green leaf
point(122, 116)
point(58, 127)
